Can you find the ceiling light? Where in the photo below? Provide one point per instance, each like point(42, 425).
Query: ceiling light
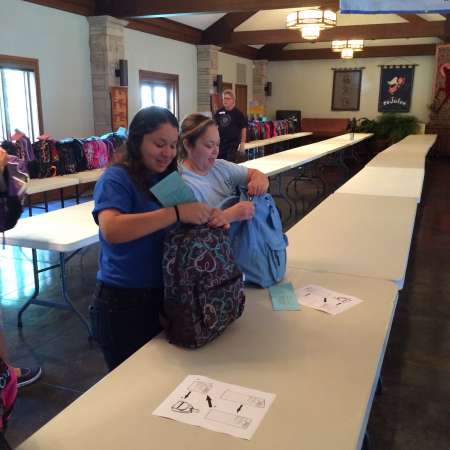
point(310, 32)
point(311, 22)
point(347, 53)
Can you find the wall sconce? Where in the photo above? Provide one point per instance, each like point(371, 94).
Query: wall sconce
point(122, 72)
point(218, 84)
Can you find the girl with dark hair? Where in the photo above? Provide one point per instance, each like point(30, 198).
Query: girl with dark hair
point(129, 290)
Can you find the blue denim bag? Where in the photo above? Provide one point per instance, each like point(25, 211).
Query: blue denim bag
point(259, 244)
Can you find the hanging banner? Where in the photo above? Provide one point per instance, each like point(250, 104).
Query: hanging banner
point(394, 6)
point(395, 88)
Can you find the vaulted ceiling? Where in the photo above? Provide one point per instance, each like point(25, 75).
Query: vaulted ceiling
point(256, 28)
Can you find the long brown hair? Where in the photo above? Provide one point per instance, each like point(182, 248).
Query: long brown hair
point(192, 127)
point(146, 121)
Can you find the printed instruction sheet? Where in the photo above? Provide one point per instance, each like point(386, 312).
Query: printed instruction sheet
point(323, 299)
point(216, 406)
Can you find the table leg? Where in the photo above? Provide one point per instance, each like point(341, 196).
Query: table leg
point(30, 205)
point(61, 196)
point(77, 194)
point(277, 181)
point(67, 304)
point(45, 202)
point(36, 288)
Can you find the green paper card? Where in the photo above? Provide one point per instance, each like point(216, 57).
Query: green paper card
point(172, 190)
point(284, 298)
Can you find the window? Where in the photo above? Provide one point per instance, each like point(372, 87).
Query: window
point(159, 89)
point(20, 102)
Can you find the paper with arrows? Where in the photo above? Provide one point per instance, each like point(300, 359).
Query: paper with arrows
point(216, 406)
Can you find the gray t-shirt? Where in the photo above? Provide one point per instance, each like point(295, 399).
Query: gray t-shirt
point(221, 182)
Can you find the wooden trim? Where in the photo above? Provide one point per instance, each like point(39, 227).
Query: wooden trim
point(18, 62)
point(160, 8)
point(168, 29)
point(82, 7)
point(379, 31)
point(368, 52)
point(150, 76)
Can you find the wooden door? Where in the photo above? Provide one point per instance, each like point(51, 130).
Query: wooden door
point(241, 98)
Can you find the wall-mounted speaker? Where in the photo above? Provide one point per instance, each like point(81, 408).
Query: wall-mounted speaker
point(122, 72)
point(268, 88)
point(218, 84)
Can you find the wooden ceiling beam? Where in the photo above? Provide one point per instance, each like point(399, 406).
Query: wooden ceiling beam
point(446, 34)
point(244, 51)
point(82, 7)
point(221, 30)
point(270, 49)
point(161, 8)
point(368, 52)
point(168, 29)
point(413, 18)
point(379, 31)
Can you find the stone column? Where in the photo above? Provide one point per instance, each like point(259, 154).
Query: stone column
point(207, 68)
point(107, 47)
point(259, 83)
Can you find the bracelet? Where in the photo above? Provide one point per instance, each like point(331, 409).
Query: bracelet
point(177, 212)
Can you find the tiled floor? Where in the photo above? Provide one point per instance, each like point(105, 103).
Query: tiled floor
point(412, 413)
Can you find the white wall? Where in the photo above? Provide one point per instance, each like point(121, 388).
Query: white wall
point(227, 68)
point(307, 86)
point(147, 52)
point(60, 41)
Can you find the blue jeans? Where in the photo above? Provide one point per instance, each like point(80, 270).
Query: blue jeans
point(123, 320)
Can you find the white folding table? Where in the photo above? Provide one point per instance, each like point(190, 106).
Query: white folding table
point(65, 231)
point(323, 369)
point(363, 235)
point(43, 185)
point(386, 181)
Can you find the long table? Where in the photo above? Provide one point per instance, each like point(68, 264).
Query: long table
point(323, 370)
point(386, 181)
point(64, 231)
point(362, 235)
point(275, 165)
point(276, 139)
point(411, 152)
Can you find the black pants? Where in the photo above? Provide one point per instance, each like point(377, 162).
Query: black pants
point(228, 151)
point(123, 320)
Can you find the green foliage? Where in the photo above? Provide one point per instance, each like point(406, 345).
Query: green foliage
point(390, 127)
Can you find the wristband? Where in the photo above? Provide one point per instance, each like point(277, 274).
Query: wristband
point(177, 212)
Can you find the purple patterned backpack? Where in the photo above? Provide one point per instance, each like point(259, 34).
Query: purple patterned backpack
point(203, 287)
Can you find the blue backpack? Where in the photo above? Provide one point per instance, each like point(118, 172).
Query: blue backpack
point(259, 245)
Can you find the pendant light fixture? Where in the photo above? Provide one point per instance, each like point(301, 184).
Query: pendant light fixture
point(311, 21)
point(347, 47)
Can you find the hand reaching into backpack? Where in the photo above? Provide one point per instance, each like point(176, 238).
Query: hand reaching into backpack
point(219, 219)
point(3, 159)
point(241, 211)
point(195, 213)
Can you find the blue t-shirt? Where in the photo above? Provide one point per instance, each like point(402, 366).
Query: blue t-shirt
point(134, 264)
point(221, 182)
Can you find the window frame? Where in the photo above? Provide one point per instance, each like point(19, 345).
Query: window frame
point(167, 79)
point(32, 64)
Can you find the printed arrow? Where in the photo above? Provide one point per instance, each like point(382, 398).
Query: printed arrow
point(187, 395)
point(208, 399)
point(240, 407)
